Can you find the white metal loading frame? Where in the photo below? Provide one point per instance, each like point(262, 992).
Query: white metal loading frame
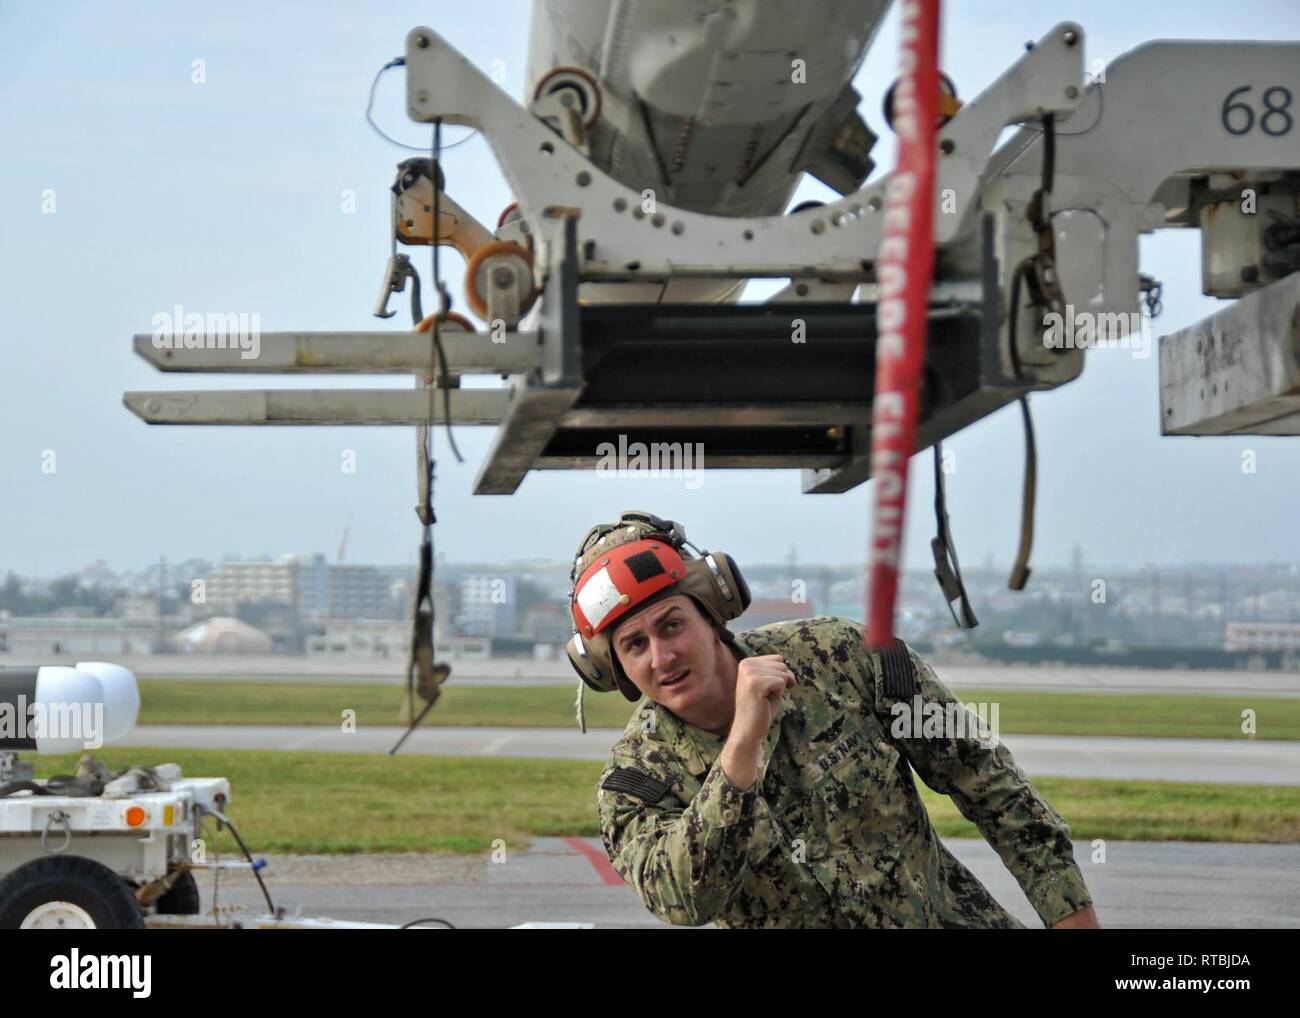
point(1117, 176)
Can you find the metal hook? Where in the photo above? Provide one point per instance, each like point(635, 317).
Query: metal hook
point(60, 817)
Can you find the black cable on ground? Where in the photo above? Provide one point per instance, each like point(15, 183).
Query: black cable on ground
point(434, 919)
point(222, 818)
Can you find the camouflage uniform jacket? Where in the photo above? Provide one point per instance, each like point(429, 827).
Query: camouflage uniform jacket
point(834, 832)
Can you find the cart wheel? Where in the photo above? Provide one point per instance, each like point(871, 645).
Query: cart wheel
point(67, 892)
point(182, 898)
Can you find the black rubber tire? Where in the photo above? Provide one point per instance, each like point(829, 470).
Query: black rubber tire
point(90, 885)
point(182, 898)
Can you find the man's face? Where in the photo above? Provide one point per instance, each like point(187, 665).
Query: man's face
point(669, 651)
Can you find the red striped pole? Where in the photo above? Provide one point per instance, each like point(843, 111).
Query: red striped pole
point(903, 270)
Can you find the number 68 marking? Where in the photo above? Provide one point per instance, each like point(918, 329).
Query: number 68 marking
point(1273, 111)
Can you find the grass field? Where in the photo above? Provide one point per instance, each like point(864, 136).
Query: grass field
point(1047, 713)
point(330, 802)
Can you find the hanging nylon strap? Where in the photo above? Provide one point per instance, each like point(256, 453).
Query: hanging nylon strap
point(425, 676)
point(947, 570)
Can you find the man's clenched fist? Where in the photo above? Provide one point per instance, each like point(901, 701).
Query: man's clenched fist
point(760, 683)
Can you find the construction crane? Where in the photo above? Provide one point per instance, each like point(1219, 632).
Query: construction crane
point(343, 540)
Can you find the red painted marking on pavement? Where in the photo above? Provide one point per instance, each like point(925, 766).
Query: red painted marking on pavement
point(599, 861)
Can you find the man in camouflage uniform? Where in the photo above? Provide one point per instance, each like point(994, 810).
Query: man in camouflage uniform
point(761, 782)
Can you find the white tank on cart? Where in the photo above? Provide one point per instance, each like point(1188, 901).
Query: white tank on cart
point(121, 697)
point(63, 709)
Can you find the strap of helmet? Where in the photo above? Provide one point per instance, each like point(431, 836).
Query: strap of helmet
point(646, 525)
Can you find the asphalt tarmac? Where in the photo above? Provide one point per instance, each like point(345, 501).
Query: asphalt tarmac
point(1139, 885)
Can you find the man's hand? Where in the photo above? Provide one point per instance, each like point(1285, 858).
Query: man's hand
point(760, 683)
point(1084, 919)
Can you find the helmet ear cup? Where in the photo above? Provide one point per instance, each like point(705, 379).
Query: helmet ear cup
point(732, 592)
point(586, 668)
point(589, 661)
point(741, 584)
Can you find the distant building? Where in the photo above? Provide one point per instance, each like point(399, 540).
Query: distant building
point(488, 606)
point(1257, 636)
point(380, 639)
point(464, 648)
point(445, 598)
point(359, 592)
point(547, 622)
point(137, 607)
point(278, 621)
point(59, 634)
point(313, 588)
point(388, 641)
point(234, 583)
point(223, 635)
point(270, 595)
point(144, 608)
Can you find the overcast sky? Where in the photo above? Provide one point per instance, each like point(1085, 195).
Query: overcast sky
point(227, 196)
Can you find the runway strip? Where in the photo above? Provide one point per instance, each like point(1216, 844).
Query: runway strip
point(1139, 885)
point(1218, 761)
point(526, 672)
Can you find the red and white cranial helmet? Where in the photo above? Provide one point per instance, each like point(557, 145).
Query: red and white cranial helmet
point(623, 580)
point(622, 568)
